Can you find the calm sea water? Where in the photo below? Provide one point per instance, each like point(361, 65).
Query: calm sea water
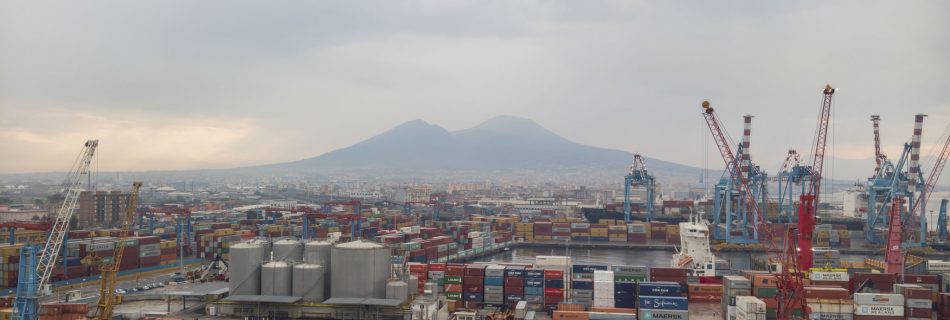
point(651, 258)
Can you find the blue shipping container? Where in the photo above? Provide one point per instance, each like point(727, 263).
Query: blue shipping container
point(663, 303)
point(534, 273)
point(554, 283)
point(514, 272)
point(533, 291)
point(494, 281)
point(513, 297)
point(587, 268)
point(660, 289)
point(582, 284)
point(467, 296)
point(626, 286)
point(599, 239)
point(528, 282)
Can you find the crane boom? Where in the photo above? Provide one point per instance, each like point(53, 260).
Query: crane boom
point(921, 202)
point(54, 242)
point(808, 202)
point(109, 270)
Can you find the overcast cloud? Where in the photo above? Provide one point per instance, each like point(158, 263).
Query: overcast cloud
point(209, 84)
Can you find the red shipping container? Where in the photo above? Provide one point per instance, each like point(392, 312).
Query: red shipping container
point(918, 293)
point(553, 274)
point(554, 292)
point(668, 272)
point(455, 270)
point(437, 267)
point(917, 313)
point(514, 282)
point(921, 279)
point(473, 280)
point(472, 288)
point(475, 270)
point(514, 290)
point(453, 287)
point(812, 292)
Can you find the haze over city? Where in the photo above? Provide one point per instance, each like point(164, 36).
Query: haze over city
point(183, 85)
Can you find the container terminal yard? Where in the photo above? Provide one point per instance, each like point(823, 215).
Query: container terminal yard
point(754, 247)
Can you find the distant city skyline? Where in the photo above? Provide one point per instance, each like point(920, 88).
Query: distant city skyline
point(202, 85)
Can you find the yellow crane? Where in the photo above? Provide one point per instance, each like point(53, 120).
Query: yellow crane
point(107, 296)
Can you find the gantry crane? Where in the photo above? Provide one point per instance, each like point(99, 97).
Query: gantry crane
point(638, 176)
point(107, 297)
point(35, 272)
point(790, 284)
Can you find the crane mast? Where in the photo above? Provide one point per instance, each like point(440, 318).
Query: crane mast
point(809, 201)
point(878, 156)
point(109, 270)
point(893, 257)
point(921, 202)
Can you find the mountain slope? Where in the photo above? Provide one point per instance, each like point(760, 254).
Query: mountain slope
point(498, 145)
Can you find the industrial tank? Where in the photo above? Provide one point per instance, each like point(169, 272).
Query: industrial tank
point(397, 290)
point(360, 270)
point(276, 279)
point(318, 252)
point(309, 282)
point(288, 250)
point(245, 268)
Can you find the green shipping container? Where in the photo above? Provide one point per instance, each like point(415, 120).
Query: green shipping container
point(453, 295)
point(453, 279)
point(766, 292)
point(630, 278)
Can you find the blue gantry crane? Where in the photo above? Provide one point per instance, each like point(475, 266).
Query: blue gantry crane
point(790, 179)
point(639, 177)
point(733, 222)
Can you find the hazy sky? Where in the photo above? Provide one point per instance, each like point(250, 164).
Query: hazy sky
point(208, 84)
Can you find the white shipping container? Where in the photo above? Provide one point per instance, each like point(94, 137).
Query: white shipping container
point(919, 303)
point(552, 261)
point(831, 316)
point(750, 304)
point(938, 266)
point(604, 275)
point(881, 299)
point(879, 310)
point(832, 307)
point(731, 313)
point(605, 303)
point(744, 315)
point(829, 276)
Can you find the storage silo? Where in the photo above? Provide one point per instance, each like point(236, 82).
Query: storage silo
point(276, 279)
point(397, 290)
point(288, 250)
point(361, 269)
point(245, 268)
point(309, 282)
point(318, 252)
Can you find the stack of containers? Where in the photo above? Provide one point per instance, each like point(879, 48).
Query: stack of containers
point(454, 273)
point(10, 263)
point(494, 285)
point(582, 282)
point(598, 232)
point(150, 251)
point(765, 287)
point(673, 234)
point(421, 271)
point(603, 289)
point(534, 288)
point(929, 281)
point(750, 308)
point(617, 233)
point(625, 284)
point(514, 285)
point(561, 231)
point(553, 287)
point(636, 233)
point(170, 251)
point(543, 231)
point(878, 306)
point(918, 303)
point(525, 231)
point(662, 300)
point(437, 274)
point(943, 306)
point(658, 230)
point(580, 231)
point(473, 286)
point(829, 278)
point(829, 302)
point(732, 287)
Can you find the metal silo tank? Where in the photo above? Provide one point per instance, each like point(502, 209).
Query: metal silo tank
point(288, 250)
point(276, 279)
point(360, 270)
point(397, 290)
point(245, 268)
point(318, 252)
point(309, 282)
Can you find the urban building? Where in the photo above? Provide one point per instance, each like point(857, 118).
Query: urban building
point(101, 208)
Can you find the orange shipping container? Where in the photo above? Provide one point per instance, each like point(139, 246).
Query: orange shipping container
point(570, 307)
point(764, 280)
point(570, 315)
point(705, 288)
